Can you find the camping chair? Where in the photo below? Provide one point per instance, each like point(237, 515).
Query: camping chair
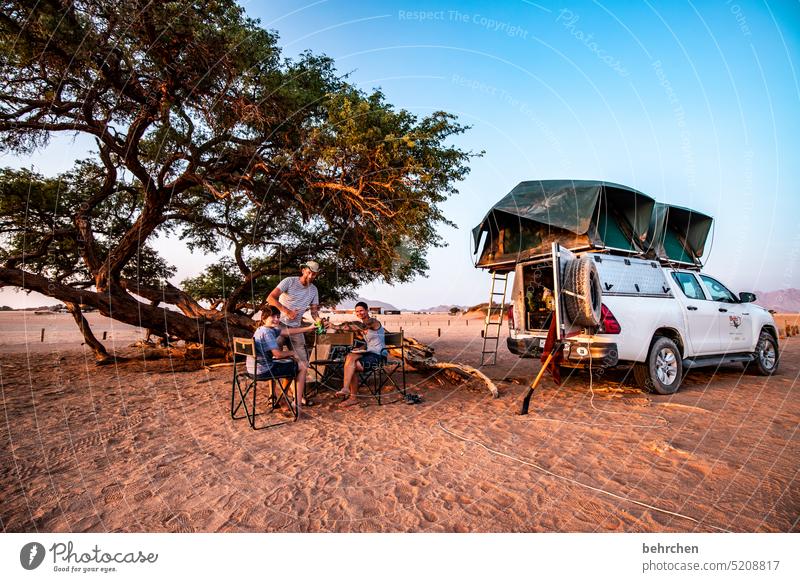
point(245, 383)
point(375, 378)
point(330, 350)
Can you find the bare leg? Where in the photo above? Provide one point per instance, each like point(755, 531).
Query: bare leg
point(354, 381)
point(349, 371)
point(302, 372)
point(353, 399)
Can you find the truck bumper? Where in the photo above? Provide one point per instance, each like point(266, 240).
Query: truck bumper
point(575, 353)
point(597, 354)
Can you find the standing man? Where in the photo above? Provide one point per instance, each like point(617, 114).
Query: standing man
point(293, 296)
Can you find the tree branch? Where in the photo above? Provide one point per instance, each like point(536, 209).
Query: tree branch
point(100, 353)
point(11, 262)
point(122, 307)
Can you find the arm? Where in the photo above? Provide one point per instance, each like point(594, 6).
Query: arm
point(275, 349)
point(314, 305)
point(355, 326)
point(282, 355)
point(295, 330)
point(273, 299)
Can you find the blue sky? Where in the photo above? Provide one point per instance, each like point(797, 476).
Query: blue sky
point(694, 103)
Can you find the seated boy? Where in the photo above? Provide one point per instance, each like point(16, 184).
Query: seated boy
point(267, 364)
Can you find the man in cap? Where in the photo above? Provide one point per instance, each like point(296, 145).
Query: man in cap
point(293, 296)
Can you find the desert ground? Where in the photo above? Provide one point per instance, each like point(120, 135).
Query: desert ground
point(149, 445)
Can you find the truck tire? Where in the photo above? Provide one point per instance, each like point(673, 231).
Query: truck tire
point(583, 299)
point(766, 356)
point(662, 372)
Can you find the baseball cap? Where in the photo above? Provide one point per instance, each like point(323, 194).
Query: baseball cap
point(313, 265)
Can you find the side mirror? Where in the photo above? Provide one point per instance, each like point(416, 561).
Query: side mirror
point(745, 297)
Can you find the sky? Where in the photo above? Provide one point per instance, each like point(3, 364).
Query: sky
point(694, 103)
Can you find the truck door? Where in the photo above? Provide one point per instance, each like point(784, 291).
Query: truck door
point(735, 322)
point(701, 315)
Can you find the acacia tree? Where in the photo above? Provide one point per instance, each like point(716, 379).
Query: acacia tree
point(205, 132)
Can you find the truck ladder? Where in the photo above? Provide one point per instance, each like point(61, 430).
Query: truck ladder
point(492, 326)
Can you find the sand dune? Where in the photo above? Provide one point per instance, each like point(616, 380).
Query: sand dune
point(150, 446)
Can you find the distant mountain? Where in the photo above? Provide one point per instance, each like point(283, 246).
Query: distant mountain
point(782, 301)
point(351, 303)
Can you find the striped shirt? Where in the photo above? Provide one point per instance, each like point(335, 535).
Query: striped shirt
point(298, 297)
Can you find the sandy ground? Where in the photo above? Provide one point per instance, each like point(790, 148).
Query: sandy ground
point(150, 446)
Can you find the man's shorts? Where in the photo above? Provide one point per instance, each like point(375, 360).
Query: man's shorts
point(296, 342)
point(372, 360)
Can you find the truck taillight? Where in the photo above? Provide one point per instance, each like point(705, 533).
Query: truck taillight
point(510, 316)
point(608, 323)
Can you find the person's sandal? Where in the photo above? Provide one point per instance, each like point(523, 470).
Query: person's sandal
point(307, 402)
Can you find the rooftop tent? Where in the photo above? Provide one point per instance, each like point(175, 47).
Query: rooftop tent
point(575, 213)
point(678, 234)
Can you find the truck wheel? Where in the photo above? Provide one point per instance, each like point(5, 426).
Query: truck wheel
point(663, 371)
point(766, 356)
point(584, 298)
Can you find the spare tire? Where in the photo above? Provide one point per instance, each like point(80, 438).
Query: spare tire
point(583, 294)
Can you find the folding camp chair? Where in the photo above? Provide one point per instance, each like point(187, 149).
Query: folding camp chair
point(330, 350)
point(376, 377)
point(246, 384)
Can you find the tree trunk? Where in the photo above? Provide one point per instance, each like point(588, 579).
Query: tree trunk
point(100, 354)
point(212, 328)
point(149, 331)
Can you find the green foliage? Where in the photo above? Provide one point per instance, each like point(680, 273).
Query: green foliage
point(38, 233)
point(204, 131)
point(484, 307)
point(220, 280)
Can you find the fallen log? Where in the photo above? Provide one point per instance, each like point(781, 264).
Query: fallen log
point(420, 358)
point(187, 352)
point(222, 365)
point(466, 373)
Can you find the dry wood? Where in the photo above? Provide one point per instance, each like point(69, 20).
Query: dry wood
point(420, 357)
point(187, 352)
point(222, 365)
point(467, 372)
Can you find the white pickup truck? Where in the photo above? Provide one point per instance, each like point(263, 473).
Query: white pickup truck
point(613, 310)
